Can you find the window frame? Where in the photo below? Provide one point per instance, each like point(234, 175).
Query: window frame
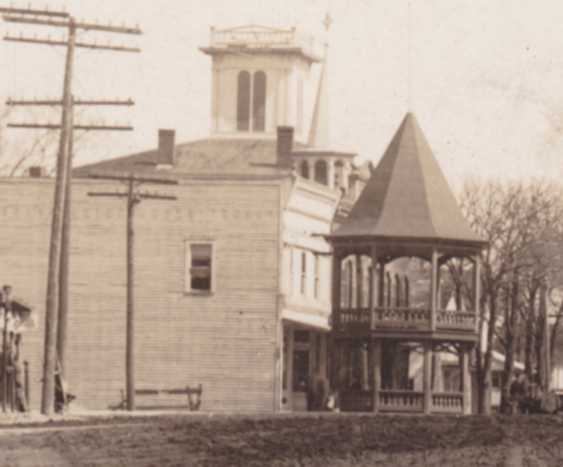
point(188, 243)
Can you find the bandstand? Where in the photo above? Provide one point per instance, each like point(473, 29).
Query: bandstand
point(396, 347)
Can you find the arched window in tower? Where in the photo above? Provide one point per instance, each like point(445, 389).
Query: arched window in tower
point(243, 101)
point(321, 172)
point(304, 169)
point(259, 101)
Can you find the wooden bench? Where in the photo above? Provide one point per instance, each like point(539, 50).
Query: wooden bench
point(193, 394)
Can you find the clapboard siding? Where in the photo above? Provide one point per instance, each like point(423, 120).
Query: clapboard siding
point(225, 341)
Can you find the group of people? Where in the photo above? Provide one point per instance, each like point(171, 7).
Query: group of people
point(527, 396)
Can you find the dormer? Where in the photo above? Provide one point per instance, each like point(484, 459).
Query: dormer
point(259, 77)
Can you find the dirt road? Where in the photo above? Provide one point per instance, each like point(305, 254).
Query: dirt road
point(287, 441)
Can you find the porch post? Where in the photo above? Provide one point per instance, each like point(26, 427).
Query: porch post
point(290, 366)
point(465, 379)
point(427, 377)
point(477, 289)
point(434, 290)
point(376, 361)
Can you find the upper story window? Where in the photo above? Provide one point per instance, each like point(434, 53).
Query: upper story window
point(199, 267)
point(303, 273)
point(251, 101)
point(321, 172)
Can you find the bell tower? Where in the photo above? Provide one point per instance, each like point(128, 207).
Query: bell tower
point(259, 77)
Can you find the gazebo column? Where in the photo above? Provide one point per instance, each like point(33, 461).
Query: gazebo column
point(359, 282)
point(434, 290)
point(427, 377)
point(381, 285)
point(375, 345)
point(477, 289)
point(335, 347)
point(465, 378)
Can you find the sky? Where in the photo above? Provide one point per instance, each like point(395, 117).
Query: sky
point(486, 76)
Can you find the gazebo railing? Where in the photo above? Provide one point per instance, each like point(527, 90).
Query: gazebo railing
point(455, 320)
point(401, 318)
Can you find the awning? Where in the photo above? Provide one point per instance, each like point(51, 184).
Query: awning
point(320, 322)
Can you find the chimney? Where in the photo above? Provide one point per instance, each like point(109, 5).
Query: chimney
point(36, 171)
point(284, 146)
point(166, 147)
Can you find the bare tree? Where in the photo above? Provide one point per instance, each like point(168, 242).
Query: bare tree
point(522, 223)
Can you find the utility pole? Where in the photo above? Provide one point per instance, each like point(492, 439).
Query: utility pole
point(56, 308)
point(133, 197)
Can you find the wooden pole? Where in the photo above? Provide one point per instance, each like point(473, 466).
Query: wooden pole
point(64, 261)
point(51, 307)
point(130, 336)
point(5, 358)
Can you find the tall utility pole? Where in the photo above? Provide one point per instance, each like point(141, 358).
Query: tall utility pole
point(57, 276)
point(133, 197)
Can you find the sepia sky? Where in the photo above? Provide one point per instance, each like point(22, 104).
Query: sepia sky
point(486, 75)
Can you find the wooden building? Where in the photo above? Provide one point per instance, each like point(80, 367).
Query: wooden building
point(232, 279)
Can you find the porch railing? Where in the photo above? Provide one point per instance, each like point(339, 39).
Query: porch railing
point(445, 402)
point(396, 400)
point(401, 318)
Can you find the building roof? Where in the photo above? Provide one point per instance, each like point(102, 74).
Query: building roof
point(212, 157)
point(407, 196)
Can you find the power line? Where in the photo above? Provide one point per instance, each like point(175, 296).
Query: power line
point(56, 310)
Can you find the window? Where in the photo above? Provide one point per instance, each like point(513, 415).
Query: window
point(321, 172)
point(243, 101)
point(259, 101)
point(199, 277)
point(303, 273)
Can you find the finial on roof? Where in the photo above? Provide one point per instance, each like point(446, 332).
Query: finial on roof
point(327, 21)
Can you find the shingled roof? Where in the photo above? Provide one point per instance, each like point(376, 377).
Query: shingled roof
point(212, 157)
point(407, 196)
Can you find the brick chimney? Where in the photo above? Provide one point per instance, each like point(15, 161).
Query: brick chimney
point(284, 146)
point(36, 171)
point(166, 147)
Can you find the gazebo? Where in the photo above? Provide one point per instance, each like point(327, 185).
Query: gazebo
point(395, 347)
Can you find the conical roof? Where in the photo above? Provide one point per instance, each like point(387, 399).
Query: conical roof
point(407, 196)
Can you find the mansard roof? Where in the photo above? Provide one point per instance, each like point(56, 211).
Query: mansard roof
point(407, 196)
